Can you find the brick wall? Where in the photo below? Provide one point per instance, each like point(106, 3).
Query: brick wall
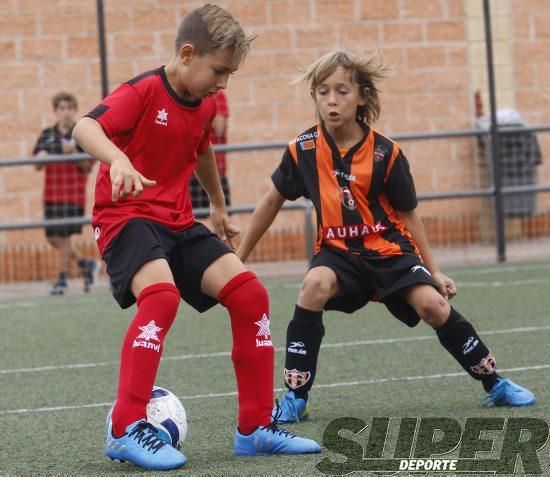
point(48, 45)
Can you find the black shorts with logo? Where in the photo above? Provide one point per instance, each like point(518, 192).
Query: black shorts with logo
point(189, 253)
point(365, 280)
point(62, 211)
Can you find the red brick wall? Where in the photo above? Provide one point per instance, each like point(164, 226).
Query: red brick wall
point(48, 45)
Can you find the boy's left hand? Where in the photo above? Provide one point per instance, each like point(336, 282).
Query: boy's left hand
point(223, 227)
point(445, 285)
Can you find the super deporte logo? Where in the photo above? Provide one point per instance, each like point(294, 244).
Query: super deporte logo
point(432, 445)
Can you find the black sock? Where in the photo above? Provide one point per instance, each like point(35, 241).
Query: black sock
point(62, 278)
point(303, 340)
point(459, 338)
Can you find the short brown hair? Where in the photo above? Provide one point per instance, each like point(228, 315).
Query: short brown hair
point(210, 28)
point(64, 96)
point(366, 71)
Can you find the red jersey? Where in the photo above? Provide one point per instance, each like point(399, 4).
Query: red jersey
point(222, 110)
point(162, 135)
point(64, 182)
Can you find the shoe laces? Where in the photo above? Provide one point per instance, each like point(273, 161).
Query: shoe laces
point(147, 435)
point(273, 427)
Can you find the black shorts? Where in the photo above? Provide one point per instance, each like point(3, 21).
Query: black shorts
point(365, 280)
point(189, 253)
point(199, 198)
point(62, 211)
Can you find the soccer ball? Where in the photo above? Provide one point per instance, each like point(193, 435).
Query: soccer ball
point(166, 412)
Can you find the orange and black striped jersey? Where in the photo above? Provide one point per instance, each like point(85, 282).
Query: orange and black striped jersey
point(355, 193)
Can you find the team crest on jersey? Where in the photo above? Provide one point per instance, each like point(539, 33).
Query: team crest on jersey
point(296, 378)
point(379, 154)
point(309, 144)
point(346, 197)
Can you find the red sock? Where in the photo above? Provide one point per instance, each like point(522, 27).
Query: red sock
point(253, 354)
point(141, 351)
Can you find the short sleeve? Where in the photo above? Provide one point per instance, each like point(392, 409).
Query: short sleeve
point(288, 179)
point(119, 112)
point(204, 141)
point(400, 185)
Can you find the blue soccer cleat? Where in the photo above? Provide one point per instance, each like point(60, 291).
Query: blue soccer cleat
point(508, 393)
point(142, 446)
point(292, 409)
point(273, 440)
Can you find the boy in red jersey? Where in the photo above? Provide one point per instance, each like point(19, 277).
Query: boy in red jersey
point(371, 243)
point(150, 134)
point(64, 190)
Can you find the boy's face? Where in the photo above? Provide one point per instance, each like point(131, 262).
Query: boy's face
point(205, 75)
point(65, 112)
point(337, 98)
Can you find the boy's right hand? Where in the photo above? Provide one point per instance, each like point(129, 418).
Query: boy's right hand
point(126, 180)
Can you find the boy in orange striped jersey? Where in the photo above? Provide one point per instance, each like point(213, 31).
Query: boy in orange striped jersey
point(371, 244)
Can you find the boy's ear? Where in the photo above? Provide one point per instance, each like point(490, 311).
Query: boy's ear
point(187, 51)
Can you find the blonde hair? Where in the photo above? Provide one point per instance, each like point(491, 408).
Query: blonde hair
point(210, 28)
point(366, 71)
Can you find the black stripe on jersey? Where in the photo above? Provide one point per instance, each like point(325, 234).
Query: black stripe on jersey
point(392, 234)
point(98, 111)
point(307, 163)
point(350, 217)
point(144, 75)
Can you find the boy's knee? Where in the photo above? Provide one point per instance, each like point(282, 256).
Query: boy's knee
point(434, 311)
point(316, 288)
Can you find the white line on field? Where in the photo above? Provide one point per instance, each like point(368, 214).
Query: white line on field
point(328, 385)
point(218, 354)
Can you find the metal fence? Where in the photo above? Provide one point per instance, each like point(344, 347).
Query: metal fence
point(496, 190)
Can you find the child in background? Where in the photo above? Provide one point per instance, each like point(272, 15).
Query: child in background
point(64, 190)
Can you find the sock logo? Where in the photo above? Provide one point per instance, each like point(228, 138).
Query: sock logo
point(487, 365)
point(296, 378)
point(264, 331)
point(148, 332)
point(469, 345)
point(297, 347)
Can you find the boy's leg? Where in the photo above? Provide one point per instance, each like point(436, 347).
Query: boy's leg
point(60, 285)
point(157, 300)
point(253, 354)
point(303, 340)
point(456, 334)
point(460, 339)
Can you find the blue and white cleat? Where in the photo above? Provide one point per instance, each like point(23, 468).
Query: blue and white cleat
point(272, 439)
point(508, 393)
point(141, 445)
point(292, 409)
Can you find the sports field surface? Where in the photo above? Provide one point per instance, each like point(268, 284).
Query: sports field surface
point(59, 365)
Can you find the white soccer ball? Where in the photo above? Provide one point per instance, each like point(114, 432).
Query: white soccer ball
point(166, 412)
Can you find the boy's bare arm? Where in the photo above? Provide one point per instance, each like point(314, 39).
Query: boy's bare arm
point(125, 180)
point(207, 174)
point(263, 216)
point(414, 225)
